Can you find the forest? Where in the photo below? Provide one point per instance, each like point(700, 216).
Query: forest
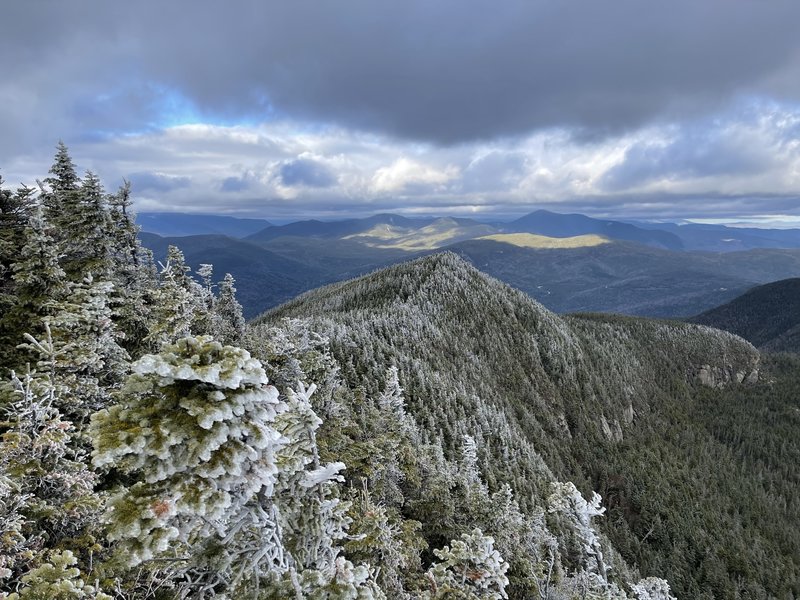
point(421, 432)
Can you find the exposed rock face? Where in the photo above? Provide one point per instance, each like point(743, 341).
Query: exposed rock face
point(718, 377)
point(629, 415)
point(613, 430)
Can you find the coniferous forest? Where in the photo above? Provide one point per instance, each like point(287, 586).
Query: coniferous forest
point(422, 432)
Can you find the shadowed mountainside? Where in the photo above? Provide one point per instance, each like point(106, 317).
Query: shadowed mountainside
point(768, 316)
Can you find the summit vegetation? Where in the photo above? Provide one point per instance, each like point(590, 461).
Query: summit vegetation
point(423, 432)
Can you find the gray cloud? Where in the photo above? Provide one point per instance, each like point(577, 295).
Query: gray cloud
point(305, 171)
point(495, 171)
point(157, 182)
point(235, 184)
point(414, 106)
point(445, 71)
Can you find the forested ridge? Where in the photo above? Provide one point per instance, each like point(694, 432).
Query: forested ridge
point(767, 315)
point(421, 432)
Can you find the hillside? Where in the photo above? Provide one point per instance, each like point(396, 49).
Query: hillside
point(624, 277)
point(544, 222)
point(275, 271)
point(610, 403)
point(180, 224)
point(768, 316)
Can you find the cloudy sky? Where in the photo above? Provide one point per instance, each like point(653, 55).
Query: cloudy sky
point(289, 109)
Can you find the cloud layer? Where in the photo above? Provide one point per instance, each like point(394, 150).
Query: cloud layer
point(263, 108)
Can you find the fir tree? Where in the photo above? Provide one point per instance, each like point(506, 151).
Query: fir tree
point(46, 490)
point(470, 568)
point(15, 209)
point(230, 321)
point(64, 176)
point(133, 274)
point(227, 476)
point(39, 285)
point(175, 302)
point(57, 579)
point(88, 364)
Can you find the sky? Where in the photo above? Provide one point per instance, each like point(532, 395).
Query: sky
point(284, 109)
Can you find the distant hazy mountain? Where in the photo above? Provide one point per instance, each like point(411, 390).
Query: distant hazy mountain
point(719, 238)
point(180, 224)
point(626, 278)
point(611, 403)
point(576, 264)
point(768, 316)
point(552, 224)
point(337, 229)
point(435, 234)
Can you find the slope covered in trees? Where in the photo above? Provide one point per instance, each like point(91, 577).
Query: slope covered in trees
point(768, 316)
point(425, 432)
point(614, 404)
point(154, 446)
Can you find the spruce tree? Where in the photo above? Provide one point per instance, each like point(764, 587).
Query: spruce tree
point(230, 321)
point(133, 274)
point(88, 364)
point(175, 302)
point(39, 285)
point(15, 209)
point(226, 477)
point(47, 498)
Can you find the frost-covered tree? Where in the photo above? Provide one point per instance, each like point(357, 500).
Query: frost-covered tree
point(39, 285)
point(469, 568)
point(57, 579)
point(177, 302)
point(207, 450)
point(15, 209)
point(134, 275)
point(226, 476)
point(86, 240)
point(46, 490)
point(230, 323)
point(577, 512)
point(81, 350)
point(652, 588)
point(64, 176)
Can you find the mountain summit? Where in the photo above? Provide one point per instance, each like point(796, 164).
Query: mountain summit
point(627, 406)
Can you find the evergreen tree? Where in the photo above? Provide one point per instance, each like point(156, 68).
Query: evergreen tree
point(134, 276)
point(227, 476)
point(470, 568)
point(230, 324)
point(64, 175)
point(79, 214)
point(57, 579)
point(15, 209)
point(46, 490)
point(175, 302)
point(39, 285)
point(577, 514)
point(88, 364)
point(88, 248)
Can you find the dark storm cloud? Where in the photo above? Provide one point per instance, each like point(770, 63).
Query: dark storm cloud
point(443, 71)
point(304, 171)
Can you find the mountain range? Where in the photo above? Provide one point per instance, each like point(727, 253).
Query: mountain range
point(567, 262)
